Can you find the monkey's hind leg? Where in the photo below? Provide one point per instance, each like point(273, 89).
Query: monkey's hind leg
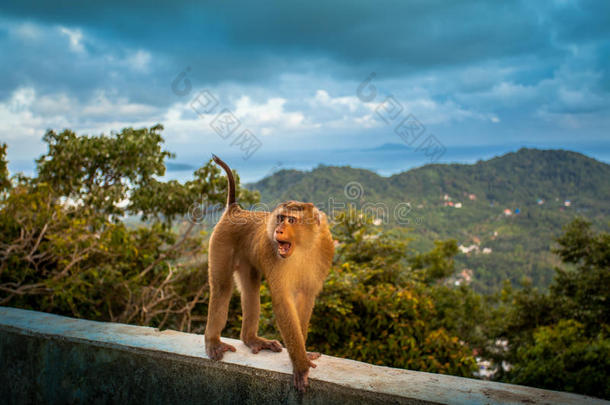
point(249, 281)
point(220, 269)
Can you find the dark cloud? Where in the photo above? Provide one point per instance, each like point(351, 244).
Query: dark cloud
point(396, 36)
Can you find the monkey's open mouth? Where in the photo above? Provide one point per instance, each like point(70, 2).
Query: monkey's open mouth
point(284, 247)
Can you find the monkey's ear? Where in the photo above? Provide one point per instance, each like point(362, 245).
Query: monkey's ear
point(317, 217)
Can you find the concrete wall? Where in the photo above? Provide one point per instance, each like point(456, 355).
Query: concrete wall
point(47, 358)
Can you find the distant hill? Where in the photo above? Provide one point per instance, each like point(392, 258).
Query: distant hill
point(541, 189)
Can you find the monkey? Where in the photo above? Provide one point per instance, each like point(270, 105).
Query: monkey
point(293, 249)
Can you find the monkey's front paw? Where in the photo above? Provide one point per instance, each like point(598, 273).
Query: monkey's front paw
point(216, 350)
point(257, 344)
point(300, 380)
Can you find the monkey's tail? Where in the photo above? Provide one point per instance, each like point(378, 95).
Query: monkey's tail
point(227, 169)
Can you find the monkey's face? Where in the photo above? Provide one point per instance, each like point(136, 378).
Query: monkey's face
point(285, 231)
point(293, 223)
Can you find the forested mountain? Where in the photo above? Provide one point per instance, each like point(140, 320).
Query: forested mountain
point(505, 212)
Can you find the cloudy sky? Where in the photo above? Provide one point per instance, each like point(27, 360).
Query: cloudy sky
point(480, 78)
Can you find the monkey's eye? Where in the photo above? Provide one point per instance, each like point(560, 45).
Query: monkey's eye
point(280, 219)
point(292, 220)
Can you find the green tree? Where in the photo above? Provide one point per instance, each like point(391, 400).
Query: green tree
point(564, 357)
point(584, 293)
point(560, 339)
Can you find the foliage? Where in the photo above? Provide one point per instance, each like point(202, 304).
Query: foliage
point(462, 312)
point(560, 339)
point(563, 357)
point(584, 294)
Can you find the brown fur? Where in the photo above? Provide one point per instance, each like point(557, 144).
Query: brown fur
point(245, 244)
